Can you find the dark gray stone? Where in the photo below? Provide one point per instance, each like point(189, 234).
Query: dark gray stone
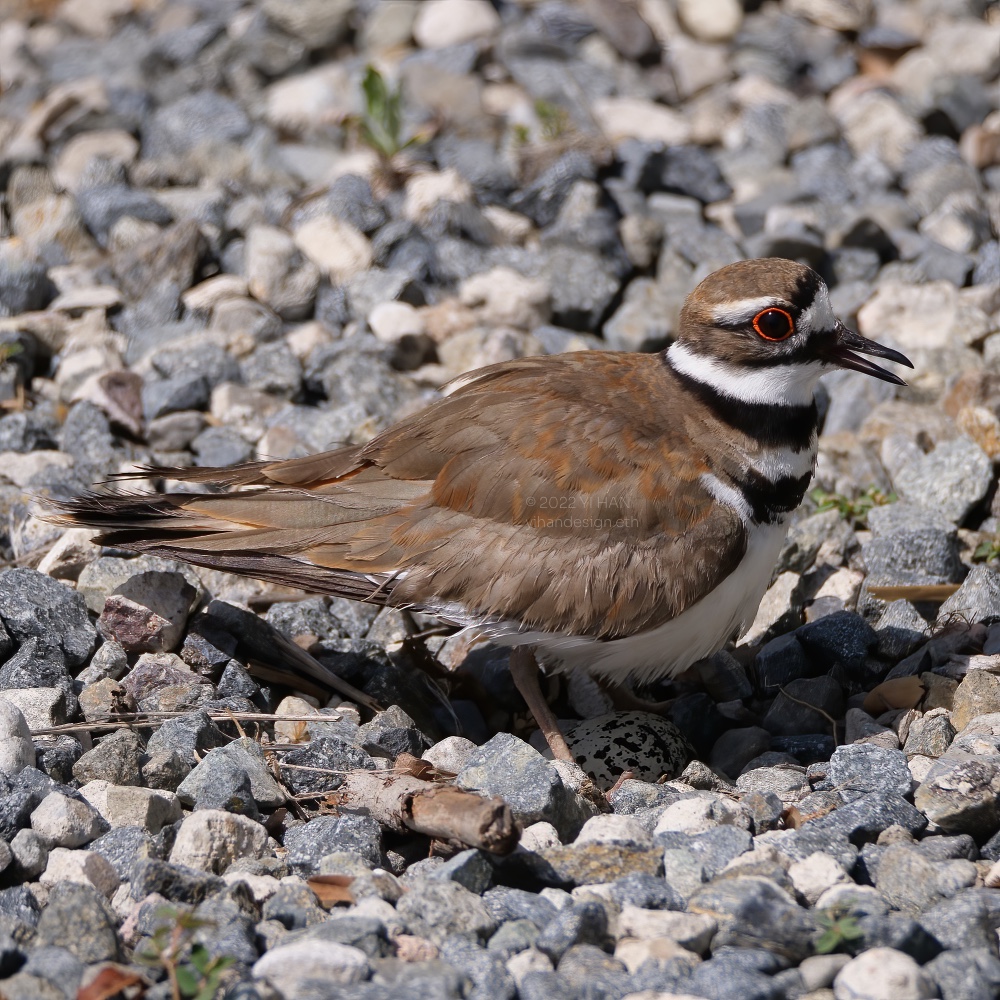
point(33, 605)
point(966, 920)
point(755, 913)
point(788, 716)
point(191, 121)
point(310, 842)
point(863, 767)
point(978, 598)
point(124, 847)
point(117, 758)
point(177, 883)
point(507, 903)
point(171, 395)
point(185, 734)
point(591, 971)
point(966, 974)
point(332, 755)
point(78, 918)
point(578, 923)
point(487, 973)
point(646, 891)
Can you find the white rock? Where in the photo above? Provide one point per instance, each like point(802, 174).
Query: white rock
point(693, 931)
point(529, 960)
point(115, 145)
point(692, 816)
point(881, 973)
point(391, 321)
point(286, 966)
point(30, 852)
point(338, 249)
point(539, 836)
point(710, 20)
point(41, 707)
point(66, 822)
point(211, 839)
point(815, 874)
point(611, 829)
point(87, 867)
point(305, 101)
point(450, 754)
point(502, 297)
point(424, 191)
point(634, 952)
point(840, 15)
point(773, 607)
point(207, 294)
point(844, 584)
point(635, 118)
point(150, 808)
point(70, 554)
point(20, 468)
point(16, 749)
point(873, 122)
point(294, 732)
point(440, 23)
point(819, 971)
point(275, 273)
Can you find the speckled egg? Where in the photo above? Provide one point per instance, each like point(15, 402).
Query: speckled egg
point(641, 742)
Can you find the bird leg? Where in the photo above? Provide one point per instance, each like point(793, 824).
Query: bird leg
point(524, 671)
point(626, 700)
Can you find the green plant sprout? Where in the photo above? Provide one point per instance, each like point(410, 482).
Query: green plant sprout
point(853, 509)
point(839, 928)
point(988, 551)
point(192, 972)
point(381, 127)
point(554, 120)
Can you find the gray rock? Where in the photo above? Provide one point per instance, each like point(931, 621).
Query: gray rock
point(124, 847)
point(952, 479)
point(308, 843)
point(967, 920)
point(117, 758)
point(76, 917)
point(217, 447)
point(186, 734)
point(33, 605)
point(330, 756)
point(174, 882)
point(391, 733)
point(173, 395)
point(978, 598)
point(866, 817)
point(735, 748)
point(966, 974)
point(192, 120)
point(960, 794)
point(899, 630)
point(219, 781)
point(578, 923)
point(864, 767)
point(788, 716)
point(754, 913)
point(67, 822)
point(437, 909)
point(583, 286)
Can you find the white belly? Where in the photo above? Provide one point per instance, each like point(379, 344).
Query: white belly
point(670, 648)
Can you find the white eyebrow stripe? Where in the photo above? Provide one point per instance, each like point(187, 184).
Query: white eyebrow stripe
point(783, 384)
point(819, 315)
point(744, 310)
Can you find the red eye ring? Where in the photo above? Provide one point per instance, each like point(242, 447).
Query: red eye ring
point(770, 327)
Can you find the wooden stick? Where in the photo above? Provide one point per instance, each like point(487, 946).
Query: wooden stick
point(404, 803)
point(152, 720)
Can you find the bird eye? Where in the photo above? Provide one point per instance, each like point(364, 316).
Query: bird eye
point(774, 324)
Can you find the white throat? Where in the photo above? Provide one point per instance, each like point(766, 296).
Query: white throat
point(784, 385)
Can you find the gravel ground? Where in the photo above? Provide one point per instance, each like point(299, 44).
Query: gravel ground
point(204, 258)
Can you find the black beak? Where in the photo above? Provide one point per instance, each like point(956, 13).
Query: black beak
point(839, 350)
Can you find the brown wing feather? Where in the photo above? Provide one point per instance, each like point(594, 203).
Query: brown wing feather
point(563, 514)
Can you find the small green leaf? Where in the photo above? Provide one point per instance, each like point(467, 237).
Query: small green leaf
point(188, 980)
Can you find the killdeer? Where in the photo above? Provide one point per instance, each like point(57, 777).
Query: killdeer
point(617, 513)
